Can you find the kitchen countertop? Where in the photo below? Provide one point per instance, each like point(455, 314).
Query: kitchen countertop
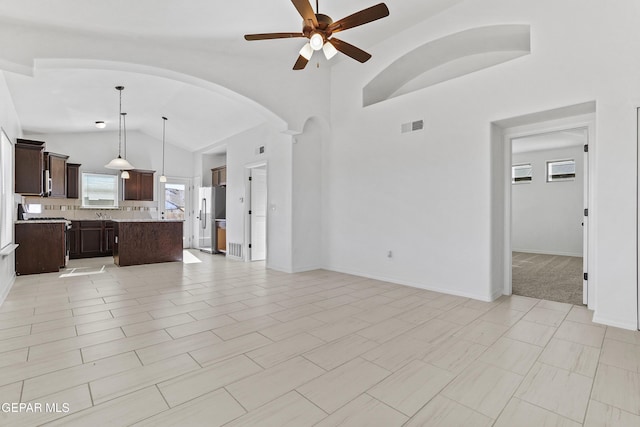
point(42, 221)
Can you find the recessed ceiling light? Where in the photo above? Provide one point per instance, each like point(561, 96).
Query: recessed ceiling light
point(101, 125)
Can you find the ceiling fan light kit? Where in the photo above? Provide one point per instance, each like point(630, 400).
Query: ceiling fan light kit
point(306, 51)
point(329, 50)
point(319, 29)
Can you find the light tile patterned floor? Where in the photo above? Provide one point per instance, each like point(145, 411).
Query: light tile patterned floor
point(229, 343)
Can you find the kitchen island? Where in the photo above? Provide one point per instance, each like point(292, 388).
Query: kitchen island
point(146, 241)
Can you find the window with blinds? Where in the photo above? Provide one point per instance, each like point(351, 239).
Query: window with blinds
point(561, 170)
point(99, 190)
point(522, 173)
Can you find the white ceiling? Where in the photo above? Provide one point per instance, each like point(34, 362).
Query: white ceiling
point(55, 101)
point(63, 101)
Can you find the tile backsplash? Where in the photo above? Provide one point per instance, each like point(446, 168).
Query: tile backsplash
point(71, 209)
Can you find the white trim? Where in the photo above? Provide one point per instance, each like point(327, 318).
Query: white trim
point(5, 294)
point(8, 250)
point(440, 289)
point(614, 323)
point(508, 134)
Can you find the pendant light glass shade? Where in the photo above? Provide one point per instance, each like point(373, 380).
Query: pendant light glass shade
point(163, 178)
point(124, 175)
point(119, 163)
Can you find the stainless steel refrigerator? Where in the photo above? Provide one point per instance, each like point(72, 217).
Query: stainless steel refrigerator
point(212, 206)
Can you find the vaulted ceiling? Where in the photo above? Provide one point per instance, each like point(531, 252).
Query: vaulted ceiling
point(61, 101)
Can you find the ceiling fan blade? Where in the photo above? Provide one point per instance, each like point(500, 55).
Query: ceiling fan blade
point(300, 63)
point(365, 16)
point(269, 36)
point(350, 50)
point(306, 11)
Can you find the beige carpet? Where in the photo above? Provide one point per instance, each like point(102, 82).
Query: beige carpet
point(550, 277)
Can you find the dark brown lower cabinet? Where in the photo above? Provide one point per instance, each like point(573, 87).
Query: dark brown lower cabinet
point(41, 247)
point(91, 239)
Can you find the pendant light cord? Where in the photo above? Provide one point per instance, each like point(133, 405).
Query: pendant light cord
point(120, 89)
point(124, 128)
point(164, 125)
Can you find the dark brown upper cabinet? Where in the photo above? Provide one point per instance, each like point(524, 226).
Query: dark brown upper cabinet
point(73, 180)
point(56, 166)
point(219, 176)
point(29, 167)
point(139, 186)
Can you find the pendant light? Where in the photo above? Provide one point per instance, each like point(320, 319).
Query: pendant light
point(119, 163)
point(163, 178)
point(124, 174)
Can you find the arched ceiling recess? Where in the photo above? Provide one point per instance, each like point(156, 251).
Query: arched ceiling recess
point(69, 95)
point(447, 58)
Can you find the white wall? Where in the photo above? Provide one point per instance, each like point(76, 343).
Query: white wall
point(427, 195)
point(241, 153)
point(307, 196)
point(546, 216)
point(95, 149)
point(11, 125)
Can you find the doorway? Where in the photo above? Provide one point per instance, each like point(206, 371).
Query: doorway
point(175, 203)
point(257, 213)
point(549, 196)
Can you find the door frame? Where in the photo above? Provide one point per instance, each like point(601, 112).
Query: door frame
point(589, 248)
point(638, 215)
point(247, 207)
point(188, 215)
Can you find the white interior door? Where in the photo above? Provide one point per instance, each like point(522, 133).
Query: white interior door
point(258, 215)
point(175, 203)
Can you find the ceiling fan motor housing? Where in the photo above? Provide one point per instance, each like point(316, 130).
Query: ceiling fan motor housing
point(323, 23)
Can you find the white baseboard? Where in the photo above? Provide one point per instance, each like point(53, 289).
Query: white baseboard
point(6, 291)
point(424, 286)
point(632, 326)
point(307, 268)
point(537, 251)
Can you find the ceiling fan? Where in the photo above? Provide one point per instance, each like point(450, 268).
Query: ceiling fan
point(319, 29)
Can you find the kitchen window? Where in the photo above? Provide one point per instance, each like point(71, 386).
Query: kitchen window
point(561, 170)
point(99, 190)
point(521, 173)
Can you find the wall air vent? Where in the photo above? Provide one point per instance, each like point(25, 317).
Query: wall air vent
point(412, 126)
point(235, 250)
